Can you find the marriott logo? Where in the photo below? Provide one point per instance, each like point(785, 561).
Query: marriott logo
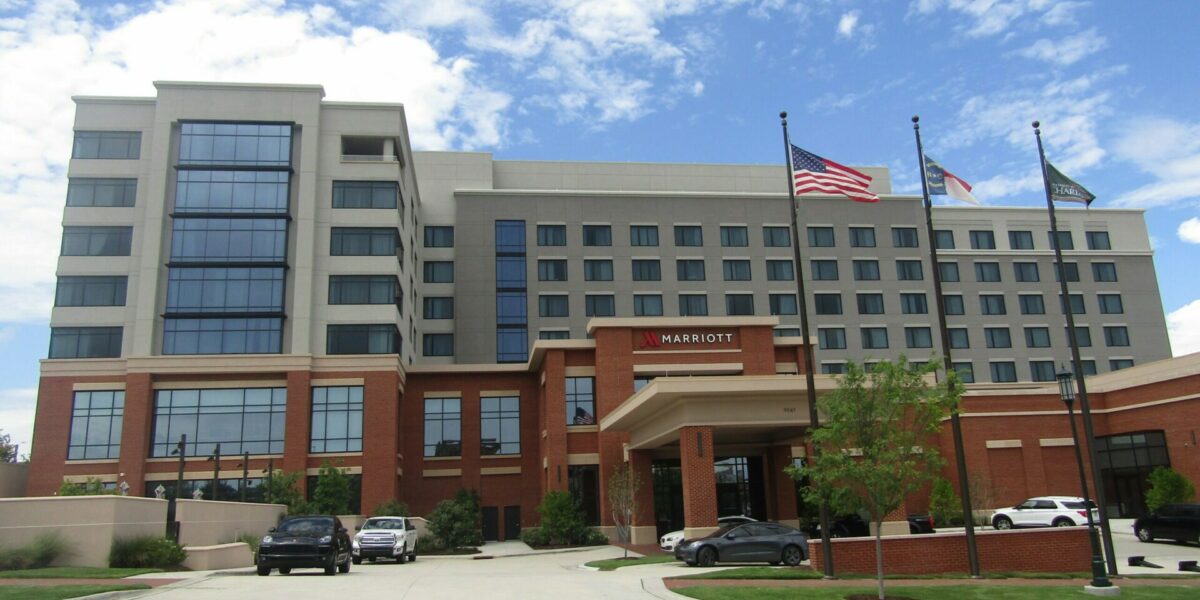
point(653, 339)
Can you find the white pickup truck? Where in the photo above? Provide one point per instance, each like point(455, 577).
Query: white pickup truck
point(385, 537)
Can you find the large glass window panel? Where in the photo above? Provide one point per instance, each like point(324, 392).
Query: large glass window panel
point(1077, 305)
point(948, 271)
point(1020, 240)
point(554, 334)
point(243, 144)
point(437, 344)
point(905, 237)
point(913, 304)
point(1098, 240)
point(1032, 304)
point(96, 241)
point(983, 240)
point(337, 414)
point(943, 239)
point(225, 289)
point(597, 270)
point(643, 235)
point(918, 337)
point(647, 305)
point(689, 269)
point(364, 241)
point(85, 342)
point(229, 240)
point(775, 236)
point(362, 339)
point(439, 271)
point(781, 270)
point(737, 270)
point(553, 306)
point(870, 304)
point(647, 270)
point(510, 272)
point(734, 236)
point(96, 425)
point(821, 237)
point(439, 236)
point(511, 308)
point(1037, 337)
point(499, 425)
point(1104, 272)
point(1116, 335)
point(250, 192)
point(552, 269)
point(988, 272)
point(510, 237)
point(222, 336)
point(91, 291)
point(364, 289)
point(909, 270)
point(822, 270)
point(438, 307)
point(1004, 372)
point(874, 338)
point(965, 371)
point(365, 194)
point(1071, 269)
point(959, 338)
point(1065, 241)
point(689, 235)
point(240, 419)
point(1083, 335)
point(953, 304)
point(783, 304)
point(831, 338)
point(827, 304)
point(992, 304)
point(862, 237)
point(1110, 304)
point(997, 337)
point(552, 235)
point(597, 235)
point(443, 427)
point(512, 344)
point(693, 305)
point(600, 305)
point(866, 270)
point(104, 192)
point(739, 304)
point(581, 400)
point(107, 145)
point(1026, 271)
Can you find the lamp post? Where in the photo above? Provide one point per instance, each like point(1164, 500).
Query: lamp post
point(172, 524)
point(215, 459)
point(1066, 390)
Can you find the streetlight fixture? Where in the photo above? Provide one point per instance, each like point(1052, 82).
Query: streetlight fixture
point(1066, 391)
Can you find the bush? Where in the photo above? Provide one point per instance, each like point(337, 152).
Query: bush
point(331, 496)
point(41, 552)
point(93, 487)
point(390, 508)
point(252, 541)
point(456, 522)
point(1168, 487)
point(281, 489)
point(146, 552)
point(428, 544)
point(944, 504)
point(562, 524)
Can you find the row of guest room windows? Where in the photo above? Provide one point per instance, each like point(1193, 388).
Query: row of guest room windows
point(876, 338)
point(1001, 371)
point(915, 303)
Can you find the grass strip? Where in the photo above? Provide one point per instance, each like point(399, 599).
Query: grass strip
point(75, 573)
point(808, 573)
point(59, 592)
point(941, 592)
point(613, 564)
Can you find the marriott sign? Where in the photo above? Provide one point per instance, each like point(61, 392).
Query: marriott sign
point(655, 339)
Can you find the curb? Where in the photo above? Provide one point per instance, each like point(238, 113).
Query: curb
point(657, 588)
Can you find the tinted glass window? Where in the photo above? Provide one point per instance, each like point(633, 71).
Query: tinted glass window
point(437, 344)
point(581, 404)
point(336, 419)
point(820, 237)
point(362, 339)
point(439, 272)
point(552, 235)
point(365, 194)
point(734, 236)
point(904, 237)
point(107, 144)
point(646, 270)
point(96, 425)
point(443, 427)
point(96, 241)
point(693, 305)
point(781, 270)
point(85, 342)
point(364, 289)
point(92, 191)
point(230, 240)
point(866, 270)
point(226, 289)
point(689, 235)
point(643, 235)
point(597, 235)
point(249, 192)
point(739, 304)
point(91, 291)
point(500, 425)
point(222, 336)
point(439, 236)
point(235, 144)
point(774, 236)
point(240, 419)
point(862, 237)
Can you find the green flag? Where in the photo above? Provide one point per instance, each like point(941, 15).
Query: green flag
point(1063, 189)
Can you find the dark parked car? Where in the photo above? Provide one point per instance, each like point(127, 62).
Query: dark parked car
point(748, 542)
point(852, 525)
point(1179, 522)
point(317, 541)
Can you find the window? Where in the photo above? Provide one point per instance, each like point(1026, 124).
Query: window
point(552, 235)
point(510, 272)
point(828, 304)
point(786, 332)
point(512, 344)
point(597, 235)
point(870, 304)
point(1104, 272)
point(94, 291)
point(943, 239)
point(1064, 240)
point(243, 144)
point(437, 344)
point(783, 304)
point(689, 235)
point(500, 425)
point(553, 306)
point(992, 304)
point(240, 419)
point(552, 269)
point(443, 427)
point(1026, 272)
point(820, 237)
point(737, 270)
point(337, 414)
point(96, 425)
point(643, 235)
point(822, 270)
point(904, 237)
point(866, 270)
point(983, 240)
point(1042, 370)
point(96, 241)
point(913, 304)
point(222, 336)
point(95, 191)
point(1037, 337)
point(1031, 304)
point(734, 236)
point(1089, 366)
point(831, 338)
point(235, 290)
point(242, 192)
point(107, 145)
point(780, 237)
point(965, 371)
point(1116, 335)
point(1020, 240)
point(554, 334)
point(874, 338)
point(359, 241)
point(583, 482)
point(647, 269)
point(439, 236)
point(597, 270)
point(85, 342)
point(1083, 335)
point(909, 270)
point(693, 305)
point(510, 237)
point(439, 271)
point(362, 339)
point(599, 305)
point(831, 368)
point(647, 305)
point(1098, 240)
point(959, 338)
point(953, 304)
point(987, 272)
point(439, 307)
point(1116, 364)
point(1077, 305)
point(1071, 269)
point(511, 308)
point(948, 272)
point(997, 337)
point(918, 337)
point(366, 194)
point(689, 269)
point(862, 237)
point(781, 270)
point(581, 400)
point(739, 304)
point(1004, 372)
point(1110, 304)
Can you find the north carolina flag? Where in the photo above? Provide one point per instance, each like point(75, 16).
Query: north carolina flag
point(944, 183)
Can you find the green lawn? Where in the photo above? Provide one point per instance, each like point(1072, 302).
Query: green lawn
point(74, 573)
point(58, 592)
point(947, 592)
point(616, 563)
point(807, 573)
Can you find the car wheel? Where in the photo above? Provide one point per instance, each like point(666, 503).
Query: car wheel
point(412, 557)
point(1143, 534)
point(792, 556)
point(1002, 522)
point(358, 560)
point(285, 570)
point(402, 557)
point(707, 557)
point(344, 567)
point(332, 567)
point(263, 571)
point(1063, 522)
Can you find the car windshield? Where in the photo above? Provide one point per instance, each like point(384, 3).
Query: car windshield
point(724, 529)
point(384, 524)
point(306, 526)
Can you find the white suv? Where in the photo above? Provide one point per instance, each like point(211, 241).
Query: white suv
point(1044, 511)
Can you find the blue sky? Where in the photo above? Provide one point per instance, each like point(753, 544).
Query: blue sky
point(1114, 84)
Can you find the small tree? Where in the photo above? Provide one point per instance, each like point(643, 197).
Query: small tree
point(873, 441)
point(8, 450)
point(983, 497)
point(282, 488)
point(93, 487)
point(623, 486)
point(1168, 487)
point(332, 493)
point(944, 504)
point(456, 522)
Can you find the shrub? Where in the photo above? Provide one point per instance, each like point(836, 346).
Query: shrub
point(428, 544)
point(281, 489)
point(944, 504)
point(146, 552)
point(456, 522)
point(562, 524)
point(1168, 487)
point(252, 541)
point(93, 487)
point(331, 496)
point(390, 508)
point(41, 552)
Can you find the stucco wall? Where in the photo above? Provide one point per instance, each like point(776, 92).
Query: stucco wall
point(209, 523)
point(12, 479)
point(88, 523)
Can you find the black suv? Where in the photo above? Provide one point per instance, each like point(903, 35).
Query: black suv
point(317, 541)
point(1179, 522)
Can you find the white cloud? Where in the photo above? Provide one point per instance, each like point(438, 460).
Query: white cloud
point(845, 26)
point(1189, 230)
point(1183, 325)
point(1066, 51)
point(850, 27)
point(991, 17)
point(1167, 149)
point(16, 416)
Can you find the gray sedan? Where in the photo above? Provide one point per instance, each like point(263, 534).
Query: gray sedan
point(751, 542)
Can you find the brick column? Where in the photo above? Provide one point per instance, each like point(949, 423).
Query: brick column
point(553, 455)
point(699, 481)
point(297, 426)
point(783, 487)
point(51, 435)
point(135, 431)
point(758, 350)
point(381, 418)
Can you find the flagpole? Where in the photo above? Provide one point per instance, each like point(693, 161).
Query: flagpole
point(1098, 576)
point(810, 384)
point(964, 488)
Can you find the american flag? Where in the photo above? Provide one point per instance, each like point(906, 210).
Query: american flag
point(811, 173)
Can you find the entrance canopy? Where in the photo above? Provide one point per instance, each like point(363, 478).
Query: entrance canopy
point(739, 408)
